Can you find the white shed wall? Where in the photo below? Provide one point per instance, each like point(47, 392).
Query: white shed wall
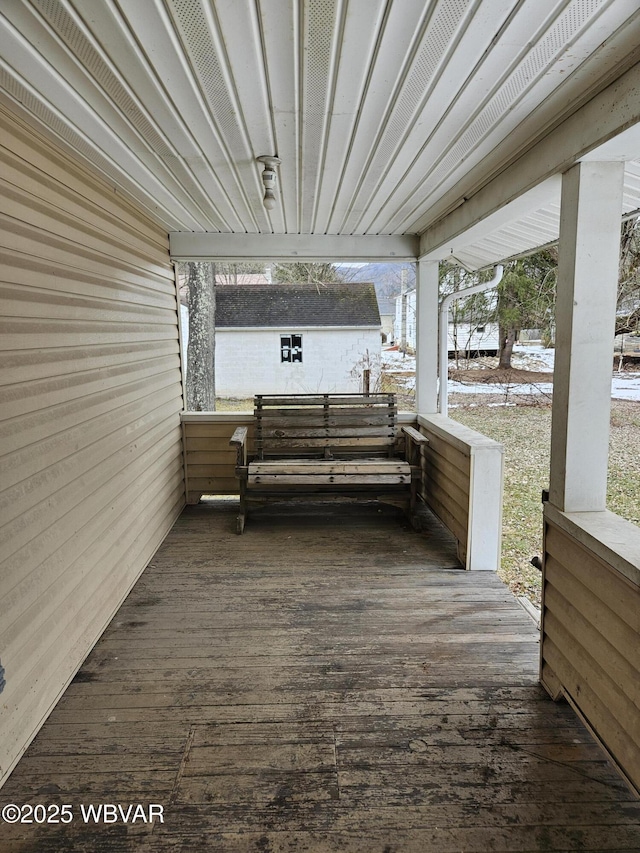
point(248, 361)
point(90, 438)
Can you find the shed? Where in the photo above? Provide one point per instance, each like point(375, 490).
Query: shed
point(286, 338)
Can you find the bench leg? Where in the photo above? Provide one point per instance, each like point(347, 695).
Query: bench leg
point(413, 499)
point(412, 505)
point(242, 517)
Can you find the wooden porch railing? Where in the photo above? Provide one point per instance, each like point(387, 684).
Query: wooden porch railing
point(462, 484)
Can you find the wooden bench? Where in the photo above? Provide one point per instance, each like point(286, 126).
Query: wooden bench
point(328, 446)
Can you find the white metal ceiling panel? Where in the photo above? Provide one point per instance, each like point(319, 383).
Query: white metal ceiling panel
point(144, 106)
point(540, 63)
point(320, 24)
point(360, 34)
point(204, 46)
point(280, 27)
point(59, 94)
point(439, 34)
point(385, 113)
point(398, 39)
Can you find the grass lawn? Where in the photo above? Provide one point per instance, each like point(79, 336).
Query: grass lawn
point(525, 432)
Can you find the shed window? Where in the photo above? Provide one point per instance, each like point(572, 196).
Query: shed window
point(290, 348)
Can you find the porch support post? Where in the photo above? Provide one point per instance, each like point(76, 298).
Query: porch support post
point(427, 337)
point(585, 320)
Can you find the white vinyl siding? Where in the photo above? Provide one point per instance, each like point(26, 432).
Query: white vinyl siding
point(91, 468)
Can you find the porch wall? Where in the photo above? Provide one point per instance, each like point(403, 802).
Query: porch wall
point(210, 462)
point(590, 646)
point(90, 439)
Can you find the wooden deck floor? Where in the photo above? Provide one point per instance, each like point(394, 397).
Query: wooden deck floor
point(322, 683)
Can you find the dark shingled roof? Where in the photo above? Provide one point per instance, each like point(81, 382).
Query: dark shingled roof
point(286, 306)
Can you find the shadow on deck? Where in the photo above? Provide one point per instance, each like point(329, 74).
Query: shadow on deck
point(325, 682)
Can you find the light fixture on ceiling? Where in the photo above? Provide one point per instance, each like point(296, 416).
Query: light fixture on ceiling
point(269, 179)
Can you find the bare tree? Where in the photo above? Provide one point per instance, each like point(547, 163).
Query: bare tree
point(628, 308)
point(312, 273)
point(201, 348)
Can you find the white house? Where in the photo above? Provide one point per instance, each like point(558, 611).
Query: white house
point(462, 336)
point(295, 338)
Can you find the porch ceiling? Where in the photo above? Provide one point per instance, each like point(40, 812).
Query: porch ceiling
point(513, 232)
point(386, 114)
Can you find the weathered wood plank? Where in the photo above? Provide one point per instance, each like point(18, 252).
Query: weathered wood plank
point(195, 430)
point(442, 510)
point(448, 492)
point(330, 478)
point(211, 444)
point(295, 418)
point(514, 839)
point(224, 483)
point(323, 431)
point(313, 466)
point(370, 441)
point(577, 683)
point(210, 458)
point(294, 400)
point(622, 667)
point(438, 446)
point(436, 462)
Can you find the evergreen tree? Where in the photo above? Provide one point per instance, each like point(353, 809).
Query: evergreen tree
point(526, 299)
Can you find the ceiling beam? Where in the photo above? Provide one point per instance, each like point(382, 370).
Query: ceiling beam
point(189, 246)
point(611, 112)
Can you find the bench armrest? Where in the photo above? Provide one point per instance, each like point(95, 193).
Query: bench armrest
point(414, 441)
point(415, 436)
point(240, 436)
point(239, 441)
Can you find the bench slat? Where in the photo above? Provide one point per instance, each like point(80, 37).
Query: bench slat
point(325, 432)
point(331, 416)
point(330, 400)
point(313, 466)
point(369, 441)
point(328, 479)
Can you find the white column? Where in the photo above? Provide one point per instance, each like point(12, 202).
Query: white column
point(585, 320)
point(427, 337)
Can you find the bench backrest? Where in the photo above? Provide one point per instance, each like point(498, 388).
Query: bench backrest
point(325, 425)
